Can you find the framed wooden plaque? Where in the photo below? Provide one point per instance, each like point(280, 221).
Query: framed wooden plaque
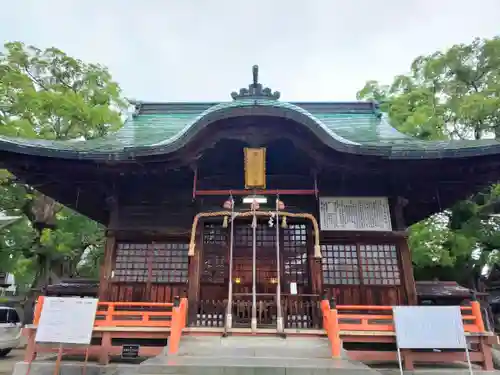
point(255, 168)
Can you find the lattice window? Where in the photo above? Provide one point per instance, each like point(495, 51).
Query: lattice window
point(295, 254)
point(340, 264)
point(379, 264)
point(265, 236)
point(170, 263)
point(158, 262)
point(360, 264)
point(131, 262)
point(214, 234)
point(215, 266)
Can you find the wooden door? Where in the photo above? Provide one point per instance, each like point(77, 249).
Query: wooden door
point(265, 270)
point(214, 275)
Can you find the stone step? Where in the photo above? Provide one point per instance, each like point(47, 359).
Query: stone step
point(254, 346)
point(251, 355)
point(250, 365)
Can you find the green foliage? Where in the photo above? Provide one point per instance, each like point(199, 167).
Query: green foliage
point(452, 94)
point(48, 94)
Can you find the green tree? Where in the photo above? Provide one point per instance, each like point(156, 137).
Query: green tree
point(452, 94)
point(48, 94)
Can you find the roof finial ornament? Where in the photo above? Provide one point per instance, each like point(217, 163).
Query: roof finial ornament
point(255, 71)
point(256, 90)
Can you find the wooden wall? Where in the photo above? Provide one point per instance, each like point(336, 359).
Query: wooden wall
point(146, 270)
point(140, 292)
point(169, 221)
point(372, 269)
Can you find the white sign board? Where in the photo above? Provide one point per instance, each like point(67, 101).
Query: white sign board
point(67, 320)
point(293, 288)
point(354, 213)
point(429, 327)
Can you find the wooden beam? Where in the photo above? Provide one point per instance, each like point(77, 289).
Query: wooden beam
point(228, 192)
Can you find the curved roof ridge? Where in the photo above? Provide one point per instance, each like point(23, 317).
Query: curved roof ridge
point(252, 103)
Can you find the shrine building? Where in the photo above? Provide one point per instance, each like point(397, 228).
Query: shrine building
point(254, 208)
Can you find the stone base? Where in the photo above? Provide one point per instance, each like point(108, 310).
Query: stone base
point(47, 368)
point(242, 355)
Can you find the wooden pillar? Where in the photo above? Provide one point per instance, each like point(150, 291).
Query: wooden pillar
point(315, 269)
point(407, 271)
point(107, 266)
point(194, 273)
point(405, 254)
point(398, 206)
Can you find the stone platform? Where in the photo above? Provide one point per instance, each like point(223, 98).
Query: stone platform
point(239, 355)
point(249, 355)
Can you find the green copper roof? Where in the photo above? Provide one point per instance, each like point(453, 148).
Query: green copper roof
point(162, 128)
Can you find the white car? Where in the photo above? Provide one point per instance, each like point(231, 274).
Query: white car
point(10, 330)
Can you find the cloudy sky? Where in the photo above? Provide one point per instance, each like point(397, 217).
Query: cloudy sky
point(196, 50)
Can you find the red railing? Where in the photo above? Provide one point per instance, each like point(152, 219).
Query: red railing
point(125, 314)
point(134, 314)
point(342, 319)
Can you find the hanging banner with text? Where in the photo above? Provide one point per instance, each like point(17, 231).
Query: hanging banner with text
point(354, 214)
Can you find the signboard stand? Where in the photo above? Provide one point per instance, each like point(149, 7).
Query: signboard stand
point(429, 327)
point(58, 360)
point(400, 360)
point(68, 320)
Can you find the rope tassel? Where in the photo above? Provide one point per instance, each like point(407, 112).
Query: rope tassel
point(284, 224)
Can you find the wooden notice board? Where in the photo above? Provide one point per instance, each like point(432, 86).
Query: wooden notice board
point(67, 320)
point(255, 168)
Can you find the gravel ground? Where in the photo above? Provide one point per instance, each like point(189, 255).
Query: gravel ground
point(7, 363)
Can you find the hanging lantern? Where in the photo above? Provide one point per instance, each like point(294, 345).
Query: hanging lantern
point(281, 205)
point(237, 280)
point(228, 204)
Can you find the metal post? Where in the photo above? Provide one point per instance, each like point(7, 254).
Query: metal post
point(279, 317)
point(229, 311)
point(254, 272)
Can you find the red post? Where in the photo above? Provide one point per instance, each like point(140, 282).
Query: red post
point(335, 333)
point(478, 317)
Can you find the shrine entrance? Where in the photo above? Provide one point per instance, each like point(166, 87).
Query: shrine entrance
point(289, 271)
point(266, 275)
point(280, 280)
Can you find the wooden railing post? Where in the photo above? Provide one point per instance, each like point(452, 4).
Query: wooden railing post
point(184, 311)
point(325, 308)
point(476, 312)
point(176, 327)
point(110, 309)
point(335, 329)
point(30, 351)
point(38, 310)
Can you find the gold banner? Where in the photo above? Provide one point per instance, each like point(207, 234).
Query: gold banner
point(255, 168)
